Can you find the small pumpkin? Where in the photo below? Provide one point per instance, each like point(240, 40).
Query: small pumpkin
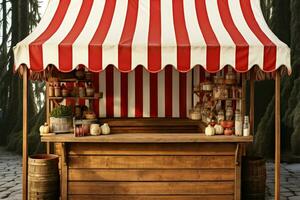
point(209, 130)
point(105, 129)
point(219, 130)
point(44, 129)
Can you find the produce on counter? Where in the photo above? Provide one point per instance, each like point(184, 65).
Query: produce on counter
point(95, 129)
point(44, 129)
point(105, 129)
point(209, 130)
point(219, 130)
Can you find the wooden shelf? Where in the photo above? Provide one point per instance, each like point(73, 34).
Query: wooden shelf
point(74, 80)
point(224, 99)
point(148, 138)
point(61, 98)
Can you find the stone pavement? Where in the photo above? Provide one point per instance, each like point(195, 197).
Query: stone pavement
point(11, 172)
point(10, 175)
point(290, 181)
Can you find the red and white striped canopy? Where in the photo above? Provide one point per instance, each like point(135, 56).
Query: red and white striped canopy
point(154, 34)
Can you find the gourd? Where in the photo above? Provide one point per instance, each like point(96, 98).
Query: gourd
point(105, 129)
point(44, 129)
point(95, 129)
point(209, 130)
point(219, 130)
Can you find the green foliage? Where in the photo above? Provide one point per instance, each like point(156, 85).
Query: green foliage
point(15, 139)
point(61, 111)
point(295, 36)
point(295, 138)
point(285, 22)
point(264, 138)
point(18, 18)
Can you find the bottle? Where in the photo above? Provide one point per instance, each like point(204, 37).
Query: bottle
point(238, 123)
point(246, 126)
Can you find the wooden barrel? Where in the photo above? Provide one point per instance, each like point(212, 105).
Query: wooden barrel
point(253, 178)
point(43, 177)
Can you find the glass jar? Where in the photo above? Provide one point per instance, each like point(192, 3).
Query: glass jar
point(81, 91)
point(229, 113)
point(217, 92)
point(220, 116)
point(246, 126)
point(51, 90)
point(238, 123)
point(57, 91)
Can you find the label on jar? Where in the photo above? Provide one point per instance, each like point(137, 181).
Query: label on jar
point(246, 132)
point(238, 128)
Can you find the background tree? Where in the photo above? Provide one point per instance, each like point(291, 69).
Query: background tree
point(285, 23)
point(18, 18)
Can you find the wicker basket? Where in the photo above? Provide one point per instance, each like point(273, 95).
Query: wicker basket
point(61, 125)
point(253, 178)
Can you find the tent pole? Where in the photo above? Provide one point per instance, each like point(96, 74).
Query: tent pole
point(25, 129)
point(47, 114)
point(252, 99)
point(277, 135)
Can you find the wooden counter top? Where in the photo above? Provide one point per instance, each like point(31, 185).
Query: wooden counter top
point(147, 138)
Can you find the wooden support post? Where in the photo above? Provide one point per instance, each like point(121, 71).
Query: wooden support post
point(25, 129)
point(277, 135)
point(47, 114)
point(252, 95)
point(64, 171)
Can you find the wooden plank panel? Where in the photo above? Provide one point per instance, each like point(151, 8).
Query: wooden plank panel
point(152, 162)
point(151, 175)
point(158, 130)
point(152, 149)
point(57, 149)
point(151, 197)
point(146, 122)
point(161, 188)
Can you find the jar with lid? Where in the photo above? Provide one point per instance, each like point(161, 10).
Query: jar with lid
point(238, 125)
point(51, 90)
point(229, 113)
point(228, 103)
point(90, 90)
point(246, 126)
point(64, 90)
point(218, 106)
point(224, 93)
point(230, 78)
point(220, 116)
point(217, 92)
point(81, 91)
point(57, 90)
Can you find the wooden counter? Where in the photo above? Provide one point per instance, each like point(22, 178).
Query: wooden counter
point(144, 166)
point(147, 138)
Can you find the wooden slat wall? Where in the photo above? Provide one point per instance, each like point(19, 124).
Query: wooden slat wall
point(154, 125)
point(151, 171)
point(151, 197)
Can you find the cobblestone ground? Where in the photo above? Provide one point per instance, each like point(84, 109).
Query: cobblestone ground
point(10, 175)
point(290, 181)
point(11, 172)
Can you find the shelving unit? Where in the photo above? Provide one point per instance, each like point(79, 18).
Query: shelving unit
point(53, 101)
point(70, 97)
point(236, 98)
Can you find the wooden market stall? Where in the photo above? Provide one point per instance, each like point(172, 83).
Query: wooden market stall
point(160, 74)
